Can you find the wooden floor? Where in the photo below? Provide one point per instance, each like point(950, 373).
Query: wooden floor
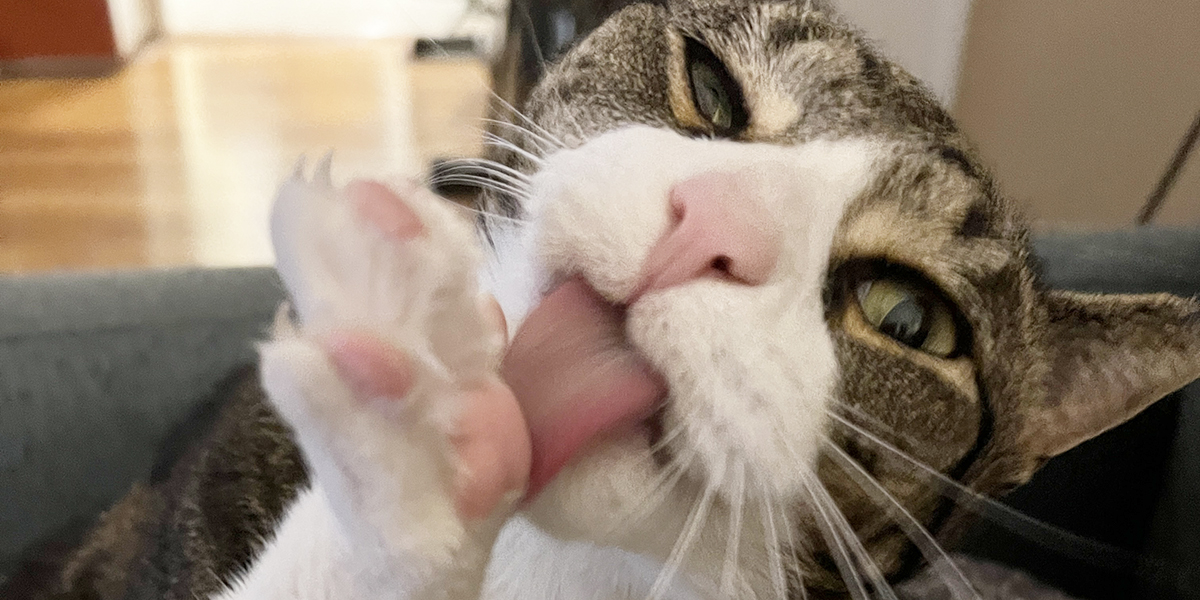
point(174, 161)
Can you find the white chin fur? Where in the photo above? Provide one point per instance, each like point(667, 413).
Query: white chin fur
point(751, 369)
point(615, 481)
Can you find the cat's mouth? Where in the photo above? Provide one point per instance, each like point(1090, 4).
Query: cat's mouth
point(577, 377)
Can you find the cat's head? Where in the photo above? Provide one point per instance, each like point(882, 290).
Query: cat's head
point(826, 283)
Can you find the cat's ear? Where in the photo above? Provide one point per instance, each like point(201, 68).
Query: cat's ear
point(1110, 357)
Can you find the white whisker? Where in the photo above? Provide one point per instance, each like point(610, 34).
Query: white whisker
point(833, 540)
point(512, 109)
point(537, 130)
point(790, 540)
point(778, 576)
point(662, 486)
point(494, 140)
point(666, 439)
point(691, 528)
point(732, 545)
point(486, 165)
point(1047, 535)
point(999, 513)
point(864, 416)
point(956, 582)
point(851, 542)
point(543, 142)
point(488, 215)
point(522, 135)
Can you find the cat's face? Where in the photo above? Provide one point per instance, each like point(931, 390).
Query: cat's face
point(804, 250)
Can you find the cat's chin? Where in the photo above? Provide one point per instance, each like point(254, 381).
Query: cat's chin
point(612, 494)
point(615, 494)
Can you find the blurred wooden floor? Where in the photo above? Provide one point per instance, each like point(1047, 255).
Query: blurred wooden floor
point(174, 161)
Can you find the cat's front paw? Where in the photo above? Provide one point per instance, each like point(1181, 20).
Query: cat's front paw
point(490, 438)
point(388, 377)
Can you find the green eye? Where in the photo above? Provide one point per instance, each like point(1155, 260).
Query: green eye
point(712, 100)
point(909, 313)
point(715, 94)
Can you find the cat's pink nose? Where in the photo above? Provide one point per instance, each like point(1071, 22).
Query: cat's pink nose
point(718, 229)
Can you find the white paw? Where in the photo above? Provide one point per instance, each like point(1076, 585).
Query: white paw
point(395, 265)
point(416, 289)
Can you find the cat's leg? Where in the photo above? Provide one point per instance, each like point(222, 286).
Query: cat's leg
point(418, 451)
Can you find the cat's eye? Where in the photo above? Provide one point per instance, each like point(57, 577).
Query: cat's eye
point(715, 95)
point(910, 313)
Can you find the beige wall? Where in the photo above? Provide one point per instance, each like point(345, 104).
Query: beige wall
point(310, 18)
point(1079, 104)
point(925, 36)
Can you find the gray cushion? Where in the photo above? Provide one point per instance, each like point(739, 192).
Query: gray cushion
point(94, 368)
point(1126, 261)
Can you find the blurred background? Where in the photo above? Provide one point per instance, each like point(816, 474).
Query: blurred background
point(154, 132)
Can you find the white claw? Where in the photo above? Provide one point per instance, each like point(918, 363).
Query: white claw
point(284, 327)
point(323, 175)
point(298, 169)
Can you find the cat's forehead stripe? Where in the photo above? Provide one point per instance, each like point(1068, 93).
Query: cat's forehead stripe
point(928, 214)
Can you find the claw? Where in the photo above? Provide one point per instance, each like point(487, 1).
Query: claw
point(323, 175)
point(298, 170)
point(284, 325)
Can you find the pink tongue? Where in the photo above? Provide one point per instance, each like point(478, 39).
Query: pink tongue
point(575, 377)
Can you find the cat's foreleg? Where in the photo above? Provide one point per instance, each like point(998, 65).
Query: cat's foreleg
point(418, 452)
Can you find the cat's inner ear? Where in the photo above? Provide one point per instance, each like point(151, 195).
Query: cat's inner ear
point(1111, 357)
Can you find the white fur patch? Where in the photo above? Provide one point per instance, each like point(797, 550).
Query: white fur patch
point(751, 370)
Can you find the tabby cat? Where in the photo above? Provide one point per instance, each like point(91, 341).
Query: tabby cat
point(767, 308)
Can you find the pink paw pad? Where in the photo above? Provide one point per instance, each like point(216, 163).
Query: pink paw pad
point(384, 209)
point(492, 440)
point(371, 368)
